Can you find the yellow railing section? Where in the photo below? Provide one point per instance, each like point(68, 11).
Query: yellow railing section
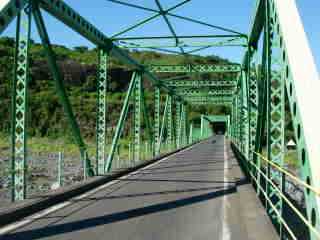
point(282, 195)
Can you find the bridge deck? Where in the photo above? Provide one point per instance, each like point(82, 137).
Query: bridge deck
point(198, 193)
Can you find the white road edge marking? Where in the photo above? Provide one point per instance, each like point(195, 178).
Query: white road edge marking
point(225, 203)
point(34, 217)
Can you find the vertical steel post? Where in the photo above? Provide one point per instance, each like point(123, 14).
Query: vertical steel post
point(183, 127)
point(276, 113)
point(19, 105)
point(101, 112)
point(156, 120)
point(170, 124)
point(178, 124)
point(137, 119)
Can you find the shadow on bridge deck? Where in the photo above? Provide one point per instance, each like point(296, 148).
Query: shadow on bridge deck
point(194, 194)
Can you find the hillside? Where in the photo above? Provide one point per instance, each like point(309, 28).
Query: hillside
point(78, 67)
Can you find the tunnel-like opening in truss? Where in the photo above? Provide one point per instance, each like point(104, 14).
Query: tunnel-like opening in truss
point(219, 128)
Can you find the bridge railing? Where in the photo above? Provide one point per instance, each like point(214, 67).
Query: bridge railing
point(286, 76)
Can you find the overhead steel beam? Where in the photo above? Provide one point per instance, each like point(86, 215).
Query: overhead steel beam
point(185, 45)
point(9, 10)
point(204, 93)
point(201, 68)
point(180, 17)
point(200, 83)
point(133, 5)
point(216, 103)
point(166, 19)
point(75, 21)
point(146, 20)
point(191, 99)
point(257, 23)
point(171, 37)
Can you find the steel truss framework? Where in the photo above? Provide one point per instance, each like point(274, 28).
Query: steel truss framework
point(256, 94)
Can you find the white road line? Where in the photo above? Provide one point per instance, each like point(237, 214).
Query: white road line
point(225, 225)
point(34, 217)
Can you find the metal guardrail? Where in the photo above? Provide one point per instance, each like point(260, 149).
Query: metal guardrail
point(281, 193)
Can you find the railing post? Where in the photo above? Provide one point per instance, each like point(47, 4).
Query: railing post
point(60, 169)
point(84, 164)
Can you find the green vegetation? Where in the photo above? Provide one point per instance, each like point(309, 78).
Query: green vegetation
point(48, 128)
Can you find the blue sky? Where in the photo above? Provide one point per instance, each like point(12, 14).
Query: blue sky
point(235, 14)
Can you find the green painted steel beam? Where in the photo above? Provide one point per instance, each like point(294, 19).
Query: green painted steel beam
point(164, 122)
point(137, 118)
point(211, 103)
point(257, 23)
point(180, 17)
point(20, 106)
point(56, 74)
point(9, 10)
point(123, 116)
point(146, 117)
point(183, 45)
point(235, 42)
point(102, 85)
point(170, 124)
point(200, 83)
point(171, 37)
point(170, 26)
point(178, 124)
point(146, 20)
point(207, 24)
point(209, 98)
point(204, 93)
point(75, 21)
point(156, 120)
point(207, 68)
point(133, 5)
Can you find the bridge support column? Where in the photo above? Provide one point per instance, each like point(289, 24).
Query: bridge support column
point(101, 112)
point(170, 124)
point(156, 121)
point(137, 118)
point(178, 124)
point(276, 113)
point(183, 125)
point(147, 120)
point(19, 105)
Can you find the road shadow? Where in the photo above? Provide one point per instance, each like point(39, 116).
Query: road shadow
point(59, 229)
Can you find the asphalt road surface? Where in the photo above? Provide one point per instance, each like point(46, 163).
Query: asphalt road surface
point(193, 194)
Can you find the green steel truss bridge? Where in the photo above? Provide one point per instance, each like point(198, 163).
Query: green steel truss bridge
point(277, 73)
